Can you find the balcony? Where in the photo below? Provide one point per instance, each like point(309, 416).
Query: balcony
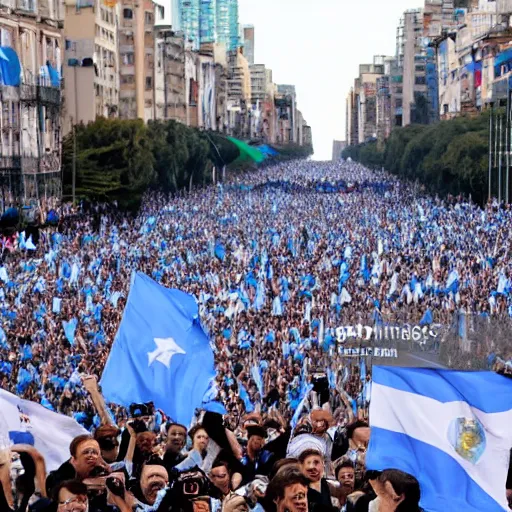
point(9, 93)
point(49, 95)
point(49, 162)
point(28, 93)
point(10, 164)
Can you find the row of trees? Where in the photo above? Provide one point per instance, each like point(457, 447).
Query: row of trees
point(119, 159)
point(450, 157)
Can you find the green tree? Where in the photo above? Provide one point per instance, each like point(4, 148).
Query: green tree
point(420, 109)
point(449, 157)
point(170, 149)
point(113, 160)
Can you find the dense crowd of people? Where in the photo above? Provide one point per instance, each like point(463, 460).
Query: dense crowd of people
point(277, 260)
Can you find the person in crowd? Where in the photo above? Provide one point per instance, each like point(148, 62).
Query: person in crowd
point(153, 479)
point(288, 490)
point(107, 438)
point(277, 261)
point(221, 478)
point(320, 493)
point(396, 492)
point(346, 476)
point(176, 440)
point(255, 459)
point(358, 436)
point(85, 462)
point(71, 496)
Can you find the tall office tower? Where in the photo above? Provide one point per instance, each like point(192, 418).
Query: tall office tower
point(189, 16)
point(227, 24)
point(207, 21)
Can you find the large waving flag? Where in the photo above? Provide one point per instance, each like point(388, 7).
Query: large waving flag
point(160, 354)
point(25, 422)
point(449, 429)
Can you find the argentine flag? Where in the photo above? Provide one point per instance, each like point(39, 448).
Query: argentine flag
point(449, 429)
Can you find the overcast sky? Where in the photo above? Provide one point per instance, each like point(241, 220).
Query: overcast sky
point(317, 45)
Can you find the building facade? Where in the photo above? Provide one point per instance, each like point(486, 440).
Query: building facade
point(367, 106)
point(136, 60)
point(30, 114)
point(91, 64)
point(249, 43)
point(337, 148)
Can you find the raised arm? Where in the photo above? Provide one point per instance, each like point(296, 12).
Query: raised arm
point(90, 383)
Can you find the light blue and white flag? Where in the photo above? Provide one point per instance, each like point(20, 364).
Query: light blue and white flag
point(249, 407)
point(70, 329)
point(161, 353)
point(304, 396)
point(30, 423)
point(3, 275)
point(257, 377)
point(449, 429)
point(29, 245)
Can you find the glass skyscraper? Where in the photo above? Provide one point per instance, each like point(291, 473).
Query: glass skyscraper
point(189, 15)
point(210, 21)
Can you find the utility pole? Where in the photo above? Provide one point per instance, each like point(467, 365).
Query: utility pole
point(74, 163)
point(165, 75)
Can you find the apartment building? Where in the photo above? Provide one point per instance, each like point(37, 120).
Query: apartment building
point(249, 43)
point(414, 65)
point(30, 101)
point(91, 64)
point(367, 107)
point(136, 60)
point(239, 94)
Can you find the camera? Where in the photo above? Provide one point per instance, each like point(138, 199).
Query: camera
point(192, 484)
point(115, 486)
point(138, 410)
point(138, 426)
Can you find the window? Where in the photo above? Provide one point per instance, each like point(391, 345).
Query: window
point(127, 14)
point(148, 18)
point(398, 103)
point(420, 68)
point(127, 79)
point(420, 80)
point(149, 83)
point(128, 59)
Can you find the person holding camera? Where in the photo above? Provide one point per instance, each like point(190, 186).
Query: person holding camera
point(85, 461)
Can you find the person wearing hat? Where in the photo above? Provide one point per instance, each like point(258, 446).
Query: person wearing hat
point(255, 460)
